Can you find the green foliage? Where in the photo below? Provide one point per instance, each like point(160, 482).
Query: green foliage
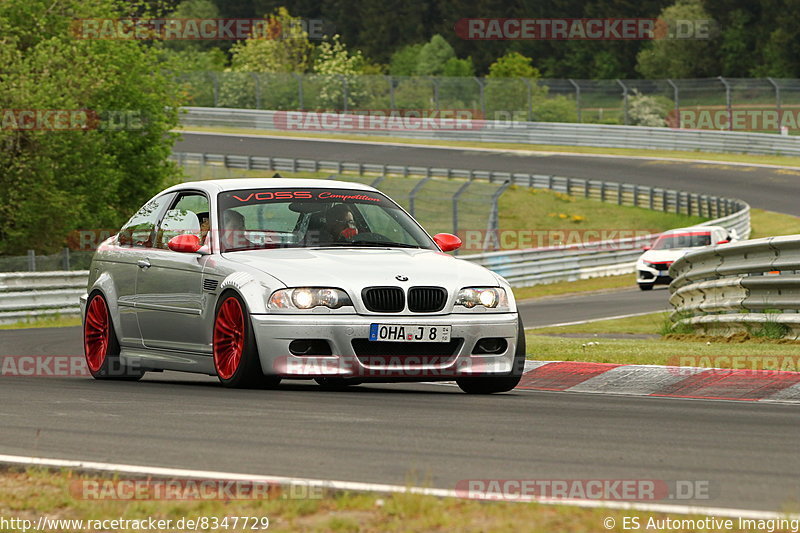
point(433, 56)
point(52, 182)
point(678, 58)
point(458, 67)
point(339, 66)
point(558, 108)
point(513, 65)
point(194, 9)
point(289, 50)
point(644, 110)
point(404, 60)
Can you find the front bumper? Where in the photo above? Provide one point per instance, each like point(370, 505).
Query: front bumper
point(274, 333)
point(645, 274)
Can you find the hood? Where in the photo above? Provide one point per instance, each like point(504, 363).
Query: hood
point(364, 267)
point(660, 256)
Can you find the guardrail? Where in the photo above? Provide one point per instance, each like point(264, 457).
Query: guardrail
point(25, 295)
point(740, 287)
point(543, 133)
point(538, 265)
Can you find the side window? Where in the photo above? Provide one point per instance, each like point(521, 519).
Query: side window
point(187, 214)
point(139, 230)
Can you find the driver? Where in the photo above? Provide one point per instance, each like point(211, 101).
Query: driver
point(340, 224)
point(233, 230)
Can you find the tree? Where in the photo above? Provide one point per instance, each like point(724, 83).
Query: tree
point(340, 66)
point(404, 60)
point(511, 85)
point(513, 65)
point(679, 58)
point(287, 50)
point(434, 56)
point(258, 63)
point(53, 182)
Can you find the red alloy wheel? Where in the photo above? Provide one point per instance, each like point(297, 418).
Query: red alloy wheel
point(229, 335)
point(96, 333)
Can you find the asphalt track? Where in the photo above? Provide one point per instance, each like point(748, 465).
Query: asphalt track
point(746, 452)
point(766, 188)
point(432, 434)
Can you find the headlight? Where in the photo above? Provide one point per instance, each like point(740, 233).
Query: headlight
point(489, 297)
point(308, 298)
point(648, 264)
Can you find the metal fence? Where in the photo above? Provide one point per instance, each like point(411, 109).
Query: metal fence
point(65, 260)
point(544, 133)
point(530, 266)
point(733, 212)
point(544, 100)
point(752, 286)
point(25, 295)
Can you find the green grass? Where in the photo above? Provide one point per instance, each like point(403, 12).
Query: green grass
point(771, 224)
point(559, 288)
point(669, 154)
point(56, 495)
point(48, 322)
point(643, 324)
point(714, 353)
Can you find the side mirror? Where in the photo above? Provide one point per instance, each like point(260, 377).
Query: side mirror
point(447, 241)
point(645, 248)
point(186, 243)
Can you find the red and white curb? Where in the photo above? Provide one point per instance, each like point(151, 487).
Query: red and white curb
point(662, 381)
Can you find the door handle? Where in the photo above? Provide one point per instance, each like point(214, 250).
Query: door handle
point(143, 263)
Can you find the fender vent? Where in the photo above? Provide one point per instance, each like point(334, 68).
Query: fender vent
point(210, 285)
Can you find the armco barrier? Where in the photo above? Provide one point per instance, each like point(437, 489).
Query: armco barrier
point(739, 287)
point(533, 266)
point(25, 295)
point(543, 133)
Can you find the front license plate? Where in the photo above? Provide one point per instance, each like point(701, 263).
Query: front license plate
point(409, 333)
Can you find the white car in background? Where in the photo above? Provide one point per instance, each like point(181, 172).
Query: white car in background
point(652, 268)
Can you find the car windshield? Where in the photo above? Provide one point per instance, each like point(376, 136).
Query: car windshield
point(315, 217)
point(682, 240)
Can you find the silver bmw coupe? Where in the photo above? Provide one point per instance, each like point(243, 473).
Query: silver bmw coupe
point(258, 280)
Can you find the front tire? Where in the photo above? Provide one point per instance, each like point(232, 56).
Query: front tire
point(646, 286)
point(492, 385)
point(100, 344)
point(234, 347)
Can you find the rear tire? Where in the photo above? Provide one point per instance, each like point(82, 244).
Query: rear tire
point(100, 344)
point(234, 347)
point(492, 385)
point(646, 286)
